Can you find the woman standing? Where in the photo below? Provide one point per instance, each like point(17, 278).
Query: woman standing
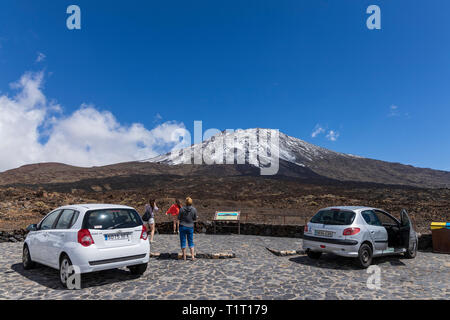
point(149, 217)
point(187, 217)
point(174, 210)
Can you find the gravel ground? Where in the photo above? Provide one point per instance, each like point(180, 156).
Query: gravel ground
point(255, 273)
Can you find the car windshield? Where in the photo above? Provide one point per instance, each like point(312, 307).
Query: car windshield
point(111, 219)
point(334, 217)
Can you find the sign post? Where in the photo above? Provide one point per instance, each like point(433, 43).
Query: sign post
point(228, 216)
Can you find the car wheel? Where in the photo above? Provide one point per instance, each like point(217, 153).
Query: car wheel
point(313, 254)
point(364, 256)
point(26, 259)
point(65, 272)
point(138, 269)
point(411, 254)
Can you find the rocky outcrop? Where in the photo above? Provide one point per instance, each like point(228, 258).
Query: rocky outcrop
point(425, 242)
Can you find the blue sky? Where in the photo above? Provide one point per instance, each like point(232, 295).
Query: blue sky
point(290, 65)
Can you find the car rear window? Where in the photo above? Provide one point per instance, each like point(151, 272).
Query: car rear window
point(334, 217)
point(111, 219)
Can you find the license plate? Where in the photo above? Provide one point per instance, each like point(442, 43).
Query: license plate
point(323, 233)
point(117, 236)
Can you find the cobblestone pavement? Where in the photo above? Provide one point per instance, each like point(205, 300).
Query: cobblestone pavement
point(255, 273)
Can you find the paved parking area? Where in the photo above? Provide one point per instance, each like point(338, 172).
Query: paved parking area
point(255, 273)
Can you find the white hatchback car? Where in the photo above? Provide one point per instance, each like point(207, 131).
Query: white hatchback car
point(88, 237)
point(359, 232)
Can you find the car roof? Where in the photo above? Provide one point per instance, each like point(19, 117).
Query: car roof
point(350, 208)
point(95, 206)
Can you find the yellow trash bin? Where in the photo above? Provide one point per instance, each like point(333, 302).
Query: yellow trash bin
point(440, 232)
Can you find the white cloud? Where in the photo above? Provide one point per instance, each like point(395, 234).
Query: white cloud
point(317, 130)
point(40, 57)
point(393, 111)
point(157, 118)
point(332, 135)
point(86, 137)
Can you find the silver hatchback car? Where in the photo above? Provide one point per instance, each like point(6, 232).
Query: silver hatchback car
point(359, 232)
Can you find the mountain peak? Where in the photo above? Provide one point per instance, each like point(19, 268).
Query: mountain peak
point(256, 145)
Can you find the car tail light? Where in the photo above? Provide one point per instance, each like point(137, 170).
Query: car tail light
point(144, 233)
point(351, 231)
point(306, 228)
point(85, 238)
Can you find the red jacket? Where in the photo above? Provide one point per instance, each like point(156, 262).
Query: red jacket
point(173, 210)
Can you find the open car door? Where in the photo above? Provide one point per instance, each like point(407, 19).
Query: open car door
point(407, 231)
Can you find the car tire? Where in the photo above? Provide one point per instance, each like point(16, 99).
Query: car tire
point(26, 259)
point(64, 271)
point(411, 254)
point(138, 269)
point(314, 254)
point(364, 259)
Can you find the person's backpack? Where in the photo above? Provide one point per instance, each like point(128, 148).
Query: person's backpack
point(146, 215)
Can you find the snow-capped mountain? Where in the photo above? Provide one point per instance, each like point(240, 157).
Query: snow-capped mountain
point(297, 158)
point(256, 146)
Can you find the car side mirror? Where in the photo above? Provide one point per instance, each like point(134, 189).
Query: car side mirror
point(32, 227)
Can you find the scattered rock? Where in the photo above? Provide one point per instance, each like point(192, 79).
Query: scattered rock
point(97, 188)
point(286, 252)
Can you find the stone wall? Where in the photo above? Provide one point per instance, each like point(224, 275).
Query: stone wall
point(290, 231)
point(293, 231)
point(13, 236)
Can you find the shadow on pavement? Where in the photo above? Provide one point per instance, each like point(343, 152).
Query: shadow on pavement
point(178, 256)
point(49, 277)
point(331, 261)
